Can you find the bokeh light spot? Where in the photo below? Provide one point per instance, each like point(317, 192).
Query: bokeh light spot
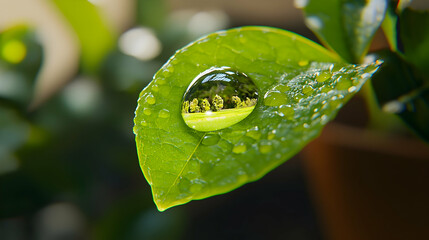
point(14, 51)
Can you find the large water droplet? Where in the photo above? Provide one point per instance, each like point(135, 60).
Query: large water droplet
point(218, 98)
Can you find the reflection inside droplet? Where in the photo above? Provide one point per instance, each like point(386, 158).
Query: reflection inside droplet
point(218, 98)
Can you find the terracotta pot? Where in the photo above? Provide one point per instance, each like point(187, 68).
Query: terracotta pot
point(369, 186)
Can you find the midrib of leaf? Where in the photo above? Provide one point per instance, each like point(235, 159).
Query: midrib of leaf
point(186, 164)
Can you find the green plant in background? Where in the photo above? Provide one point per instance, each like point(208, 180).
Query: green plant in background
point(303, 87)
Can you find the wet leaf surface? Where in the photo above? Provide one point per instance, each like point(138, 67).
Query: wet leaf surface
point(301, 87)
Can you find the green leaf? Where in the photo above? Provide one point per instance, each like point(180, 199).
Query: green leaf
point(389, 26)
point(401, 91)
point(95, 37)
point(345, 26)
point(301, 87)
point(151, 13)
point(414, 34)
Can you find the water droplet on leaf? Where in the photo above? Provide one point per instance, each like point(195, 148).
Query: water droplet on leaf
point(254, 133)
point(147, 111)
point(155, 88)
point(271, 135)
point(239, 148)
point(282, 88)
point(211, 139)
point(323, 76)
point(150, 99)
point(352, 89)
point(164, 113)
point(275, 98)
point(265, 147)
point(287, 111)
point(307, 90)
point(218, 98)
point(303, 63)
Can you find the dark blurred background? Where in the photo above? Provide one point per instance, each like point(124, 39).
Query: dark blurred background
point(70, 75)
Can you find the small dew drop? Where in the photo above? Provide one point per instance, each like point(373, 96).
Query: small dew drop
point(164, 113)
point(352, 89)
point(322, 77)
point(184, 184)
point(155, 88)
point(307, 90)
point(150, 99)
point(343, 84)
point(211, 139)
point(254, 133)
point(162, 81)
point(147, 111)
point(303, 63)
point(324, 119)
point(325, 89)
point(365, 76)
point(315, 116)
point(287, 111)
point(143, 123)
point(265, 147)
point(196, 186)
point(218, 98)
point(271, 135)
point(275, 98)
point(282, 88)
point(239, 148)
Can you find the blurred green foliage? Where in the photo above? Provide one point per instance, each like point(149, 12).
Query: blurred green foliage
point(78, 147)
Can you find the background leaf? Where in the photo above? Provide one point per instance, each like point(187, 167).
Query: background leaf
point(94, 35)
point(300, 90)
point(414, 34)
point(401, 91)
point(347, 27)
point(389, 25)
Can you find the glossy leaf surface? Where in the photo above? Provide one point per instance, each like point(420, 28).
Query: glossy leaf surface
point(301, 87)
